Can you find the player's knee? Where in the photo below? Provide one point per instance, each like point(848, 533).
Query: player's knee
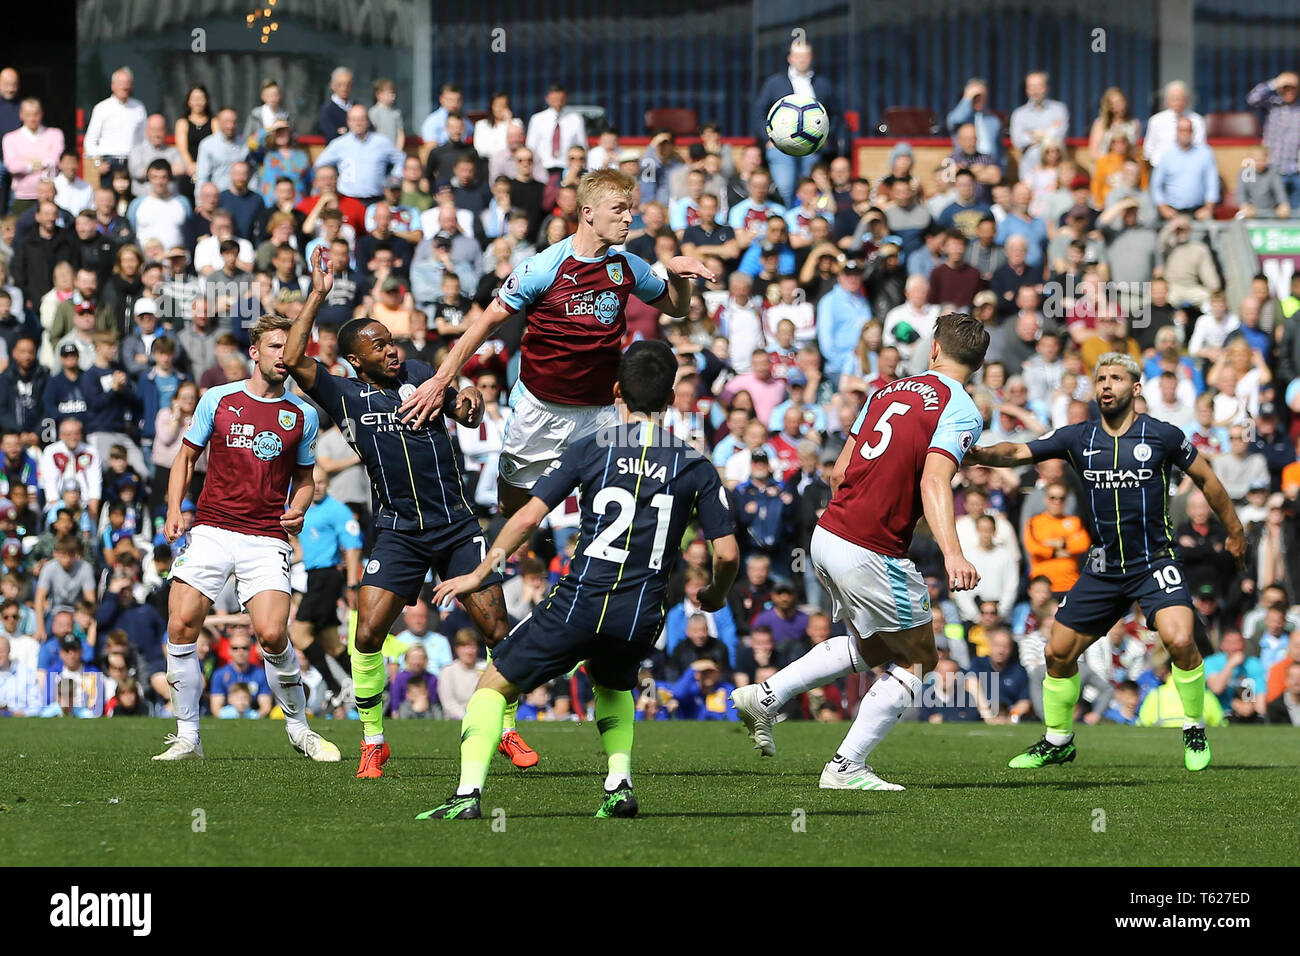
point(498, 633)
point(1179, 642)
point(366, 640)
point(274, 637)
point(1058, 661)
point(181, 631)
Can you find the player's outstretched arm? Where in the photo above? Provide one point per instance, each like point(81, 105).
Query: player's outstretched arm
point(1205, 478)
point(302, 368)
point(726, 562)
point(467, 408)
point(676, 301)
point(426, 401)
point(940, 515)
point(1005, 454)
point(517, 530)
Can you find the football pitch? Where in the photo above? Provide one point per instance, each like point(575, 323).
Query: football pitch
point(85, 793)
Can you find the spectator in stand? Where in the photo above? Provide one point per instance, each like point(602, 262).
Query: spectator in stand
point(1240, 466)
point(973, 111)
point(1279, 100)
point(434, 128)
point(749, 217)
point(220, 151)
point(1018, 222)
point(1162, 128)
point(1261, 190)
point(1114, 119)
point(71, 459)
point(36, 255)
point(1285, 708)
point(841, 315)
point(720, 624)
point(1055, 541)
point(999, 568)
point(783, 621)
point(457, 681)
point(1036, 120)
point(552, 131)
point(154, 147)
point(278, 158)
point(31, 153)
point(954, 283)
point(72, 194)
point(798, 78)
point(22, 388)
point(112, 399)
point(1232, 669)
point(159, 213)
point(364, 158)
point(240, 672)
point(61, 583)
point(1189, 265)
point(116, 124)
point(702, 693)
point(332, 122)
point(699, 645)
point(1186, 180)
point(998, 682)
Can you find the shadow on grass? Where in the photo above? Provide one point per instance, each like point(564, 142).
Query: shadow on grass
point(702, 814)
point(1041, 784)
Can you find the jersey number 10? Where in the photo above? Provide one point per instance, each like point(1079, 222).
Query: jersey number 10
point(602, 546)
point(884, 429)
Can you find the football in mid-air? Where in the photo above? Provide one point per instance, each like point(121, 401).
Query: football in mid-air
point(797, 125)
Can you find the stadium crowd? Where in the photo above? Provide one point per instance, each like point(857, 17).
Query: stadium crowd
point(121, 302)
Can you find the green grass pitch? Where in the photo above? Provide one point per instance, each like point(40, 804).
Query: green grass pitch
point(85, 793)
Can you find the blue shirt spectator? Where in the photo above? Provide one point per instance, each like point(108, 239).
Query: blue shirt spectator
point(988, 126)
point(364, 158)
point(1186, 177)
point(841, 314)
point(1232, 668)
point(329, 528)
point(701, 694)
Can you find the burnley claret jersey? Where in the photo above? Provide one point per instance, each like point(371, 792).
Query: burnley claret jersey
point(879, 501)
point(1126, 481)
point(255, 445)
point(577, 320)
point(639, 489)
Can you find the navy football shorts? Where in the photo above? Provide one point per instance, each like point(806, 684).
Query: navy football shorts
point(400, 560)
point(1095, 602)
point(543, 647)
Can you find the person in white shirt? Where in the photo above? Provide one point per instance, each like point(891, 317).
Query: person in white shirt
point(490, 132)
point(604, 155)
point(482, 444)
point(159, 214)
point(116, 123)
point(1164, 402)
point(552, 131)
point(1212, 329)
point(72, 194)
point(1162, 128)
point(914, 347)
point(207, 253)
point(741, 322)
point(70, 458)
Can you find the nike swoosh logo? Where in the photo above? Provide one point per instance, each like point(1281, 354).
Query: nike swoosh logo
point(1171, 590)
point(373, 391)
point(1093, 451)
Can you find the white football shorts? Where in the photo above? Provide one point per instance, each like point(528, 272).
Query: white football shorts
point(259, 563)
point(538, 432)
point(871, 591)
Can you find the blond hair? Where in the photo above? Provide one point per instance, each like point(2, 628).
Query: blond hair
point(268, 323)
point(602, 184)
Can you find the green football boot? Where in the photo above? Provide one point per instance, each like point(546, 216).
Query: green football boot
point(1196, 749)
point(618, 802)
point(1043, 753)
point(457, 808)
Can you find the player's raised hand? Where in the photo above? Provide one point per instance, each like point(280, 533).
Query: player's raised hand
point(469, 406)
point(709, 601)
point(454, 587)
point(962, 575)
point(1237, 547)
point(688, 267)
point(322, 271)
point(424, 402)
point(291, 520)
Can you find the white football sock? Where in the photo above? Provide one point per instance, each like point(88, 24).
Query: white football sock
point(186, 680)
point(372, 739)
point(895, 690)
point(828, 661)
point(285, 678)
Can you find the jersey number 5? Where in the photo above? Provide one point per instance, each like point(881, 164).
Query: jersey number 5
point(602, 546)
point(885, 430)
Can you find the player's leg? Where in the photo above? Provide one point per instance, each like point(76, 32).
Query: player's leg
point(1174, 624)
point(613, 670)
point(536, 651)
point(377, 609)
point(187, 607)
point(480, 735)
point(759, 704)
point(1088, 610)
point(905, 654)
point(487, 609)
point(262, 574)
point(511, 498)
